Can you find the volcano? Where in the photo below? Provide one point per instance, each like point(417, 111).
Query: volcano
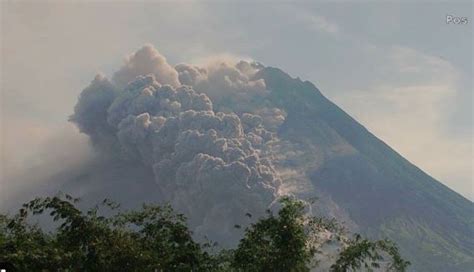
point(227, 139)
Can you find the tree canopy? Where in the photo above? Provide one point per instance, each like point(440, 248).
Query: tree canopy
point(155, 238)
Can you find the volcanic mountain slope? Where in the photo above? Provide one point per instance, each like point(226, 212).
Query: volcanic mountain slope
point(228, 138)
point(359, 178)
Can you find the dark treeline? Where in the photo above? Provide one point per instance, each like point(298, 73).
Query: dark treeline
point(155, 238)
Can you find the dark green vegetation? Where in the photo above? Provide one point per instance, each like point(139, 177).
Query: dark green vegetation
point(382, 194)
point(156, 239)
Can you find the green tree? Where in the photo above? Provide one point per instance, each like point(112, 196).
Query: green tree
point(276, 243)
point(369, 254)
point(288, 242)
point(155, 238)
point(145, 240)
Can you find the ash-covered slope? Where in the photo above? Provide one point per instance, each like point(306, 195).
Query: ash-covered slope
point(360, 178)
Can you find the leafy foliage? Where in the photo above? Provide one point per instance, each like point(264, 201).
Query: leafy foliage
point(276, 243)
point(368, 254)
point(156, 239)
point(145, 240)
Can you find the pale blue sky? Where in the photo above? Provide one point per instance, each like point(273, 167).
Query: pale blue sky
point(399, 69)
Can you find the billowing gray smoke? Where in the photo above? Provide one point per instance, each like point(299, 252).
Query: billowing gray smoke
point(90, 112)
point(214, 166)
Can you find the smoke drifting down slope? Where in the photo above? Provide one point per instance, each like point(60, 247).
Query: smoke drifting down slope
point(225, 139)
point(211, 165)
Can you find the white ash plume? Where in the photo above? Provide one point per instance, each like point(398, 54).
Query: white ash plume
point(146, 61)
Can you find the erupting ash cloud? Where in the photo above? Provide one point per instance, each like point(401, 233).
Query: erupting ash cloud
point(209, 147)
point(146, 61)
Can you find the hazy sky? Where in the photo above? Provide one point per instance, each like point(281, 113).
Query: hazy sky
point(399, 69)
